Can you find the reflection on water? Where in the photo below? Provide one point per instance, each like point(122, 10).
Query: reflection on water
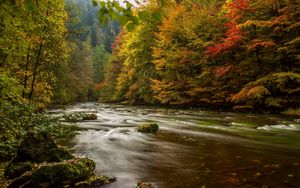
point(192, 149)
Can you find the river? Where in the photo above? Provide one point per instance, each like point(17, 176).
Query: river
point(192, 149)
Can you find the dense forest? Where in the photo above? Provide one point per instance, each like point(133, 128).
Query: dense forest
point(241, 54)
point(233, 55)
point(51, 53)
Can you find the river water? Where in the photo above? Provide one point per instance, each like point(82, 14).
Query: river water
point(192, 149)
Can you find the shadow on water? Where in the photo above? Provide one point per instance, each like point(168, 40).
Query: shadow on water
point(192, 149)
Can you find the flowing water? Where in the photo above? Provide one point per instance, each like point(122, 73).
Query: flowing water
point(192, 149)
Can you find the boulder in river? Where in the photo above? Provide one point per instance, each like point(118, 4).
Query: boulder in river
point(89, 117)
point(148, 128)
point(142, 184)
point(94, 181)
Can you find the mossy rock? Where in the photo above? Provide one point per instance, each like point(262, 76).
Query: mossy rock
point(148, 128)
point(56, 174)
point(94, 181)
point(145, 185)
point(36, 147)
point(89, 117)
point(14, 170)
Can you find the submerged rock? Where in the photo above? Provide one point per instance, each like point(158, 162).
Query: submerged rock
point(148, 128)
point(142, 184)
point(89, 117)
point(94, 181)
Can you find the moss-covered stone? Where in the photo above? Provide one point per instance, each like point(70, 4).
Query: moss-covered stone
point(40, 163)
point(89, 117)
point(148, 128)
point(14, 170)
point(94, 181)
point(145, 185)
point(36, 147)
point(56, 174)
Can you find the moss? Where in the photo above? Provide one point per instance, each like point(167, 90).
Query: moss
point(89, 117)
point(42, 163)
point(94, 181)
point(148, 128)
point(56, 174)
point(145, 185)
point(14, 170)
point(36, 147)
point(4, 182)
point(60, 154)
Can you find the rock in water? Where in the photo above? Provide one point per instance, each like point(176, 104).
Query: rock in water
point(142, 184)
point(148, 128)
point(94, 181)
point(89, 117)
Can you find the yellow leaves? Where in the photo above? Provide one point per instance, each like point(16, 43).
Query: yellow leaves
point(132, 90)
point(256, 93)
point(169, 22)
point(255, 23)
point(295, 41)
point(198, 90)
point(259, 43)
point(262, 90)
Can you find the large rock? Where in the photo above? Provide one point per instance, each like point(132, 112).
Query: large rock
point(40, 163)
point(94, 181)
point(148, 128)
point(56, 174)
point(89, 117)
point(142, 184)
point(36, 147)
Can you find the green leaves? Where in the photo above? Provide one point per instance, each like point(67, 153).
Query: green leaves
point(30, 5)
point(128, 16)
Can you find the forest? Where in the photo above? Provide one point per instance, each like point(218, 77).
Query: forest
point(224, 55)
point(241, 55)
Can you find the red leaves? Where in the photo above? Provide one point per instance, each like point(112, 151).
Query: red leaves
point(233, 37)
point(233, 34)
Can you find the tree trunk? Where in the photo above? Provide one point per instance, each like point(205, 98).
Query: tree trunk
point(26, 72)
point(35, 71)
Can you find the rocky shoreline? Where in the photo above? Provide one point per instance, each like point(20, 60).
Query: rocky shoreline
point(40, 162)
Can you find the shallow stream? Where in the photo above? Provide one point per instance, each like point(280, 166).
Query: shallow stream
point(193, 148)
